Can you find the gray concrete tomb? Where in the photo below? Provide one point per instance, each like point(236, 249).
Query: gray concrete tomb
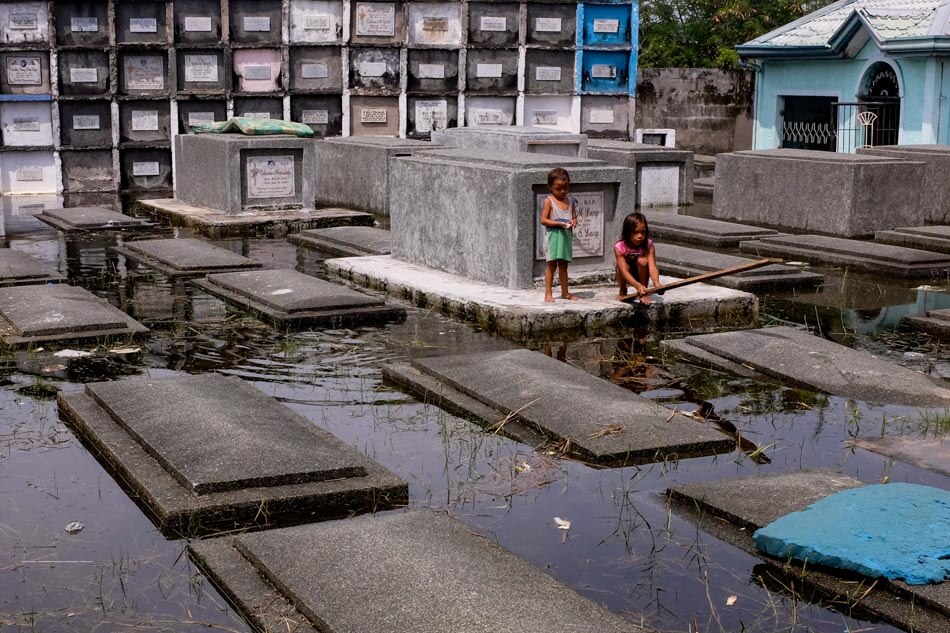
point(184, 257)
point(209, 451)
point(17, 269)
point(503, 139)
point(664, 175)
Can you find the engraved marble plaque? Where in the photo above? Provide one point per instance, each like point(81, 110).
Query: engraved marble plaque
point(86, 122)
point(431, 71)
point(144, 73)
point(270, 177)
point(144, 120)
point(602, 25)
point(197, 24)
point(492, 23)
point(547, 25)
point(26, 123)
point(373, 115)
point(201, 68)
point(29, 173)
point(314, 71)
point(435, 25)
point(431, 115)
point(83, 75)
point(544, 117)
point(257, 24)
point(257, 72)
point(143, 25)
point(603, 71)
point(147, 168)
point(375, 19)
point(488, 70)
point(601, 115)
point(484, 116)
point(589, 232)
point(547, 73)
point(200, 117)
point(84, 25)
point(317, 22)
point(372, 69)
point(24, 22)
point(24, 71)
point(315, 117)
point(256, 115)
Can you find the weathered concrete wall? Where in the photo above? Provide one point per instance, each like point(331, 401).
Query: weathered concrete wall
point(711, 110)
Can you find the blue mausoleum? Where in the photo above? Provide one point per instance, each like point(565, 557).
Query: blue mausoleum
point(858, 72)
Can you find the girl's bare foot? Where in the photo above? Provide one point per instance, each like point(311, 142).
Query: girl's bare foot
point(645, 300)
point(569, 297)
point(549, 298)
point(624, 297)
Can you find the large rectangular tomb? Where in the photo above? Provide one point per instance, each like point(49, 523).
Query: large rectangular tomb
point(208, 452)
point(17, 269)
point(934, 198)
point(57, 312)
point(732, 510)
point(704, 231)
point(346, 241)
point(682, 261)
point(293, 299)
point(664, 175)
point(408, 572)
point(871, 257)
point(538, 395)
point(235, 173)
point(504, 139)
point(340, 160)
point(76, 219)
point(844, 195)
point(184, 257)
point(798, 358)
point(489, 230)
point(925, 238)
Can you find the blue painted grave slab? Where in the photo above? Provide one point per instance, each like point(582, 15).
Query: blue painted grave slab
point(898, 531)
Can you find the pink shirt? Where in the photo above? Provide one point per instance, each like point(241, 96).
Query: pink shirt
point(626, 251)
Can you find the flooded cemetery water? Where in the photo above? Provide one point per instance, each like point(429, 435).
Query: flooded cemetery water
point(625, 548)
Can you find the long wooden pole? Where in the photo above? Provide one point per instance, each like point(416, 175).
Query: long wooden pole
point(732, 270)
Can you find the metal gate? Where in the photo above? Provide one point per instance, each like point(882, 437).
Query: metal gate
point(866, 124)
point(807, 123)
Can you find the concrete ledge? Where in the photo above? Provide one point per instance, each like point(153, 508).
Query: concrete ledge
point(927, 238)
point(278, 223)
point(524, 314)
point(186, 257)
point(346, 241)
point(703, 231)
point(84, 219)
point(19, 269)
point(682, 261)
point(936, 323)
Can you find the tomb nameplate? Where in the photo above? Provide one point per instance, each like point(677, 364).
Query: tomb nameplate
point(147, 168)
point(431, 115)
point(603, 71)
point(435, 25)
point(29, 173)
point(544, 117)
point(144, 120)
point(492, 23)
point(317, 22)
point(547, 73)
point(372, 69)
point(201, 68)
point(24, 71)
point(270, 177)
point(86, 122)
point(488, 71)
point(606, 26)
point(257, 24)
point(197, 24)
point(200, 117)
point(589, 232)
point(83, 75)
point(485, 116)
point(315, 117)
point(431, 71)
point(143, 25)
point(314, 71)
point(601, 116)
point(26, 124)
point(84, 24)
point(24, 22)
point(375, 20)
point(373, 115)
point(256, 115)
point(547, 25)
point(255, 73)
point(144, 73)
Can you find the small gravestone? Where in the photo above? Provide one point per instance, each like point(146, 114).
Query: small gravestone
point(692, 230)
point(681, 261)
point(17, 269)
point(184, 257)
point(210, 451)
point(411, 572)
point(510, 138)
point(925, 238)
point(600, 421)
point(90, 219)
point(799, 358)
point(34, 314)
point(892, 261)
point(346, 241)
point(290, 298)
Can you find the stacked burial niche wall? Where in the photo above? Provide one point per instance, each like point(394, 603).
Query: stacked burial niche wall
point(93, 92)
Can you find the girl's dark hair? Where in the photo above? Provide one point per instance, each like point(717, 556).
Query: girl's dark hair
point(630, 226)
point(558, 173)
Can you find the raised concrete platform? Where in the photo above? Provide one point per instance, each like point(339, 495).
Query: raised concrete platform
point(523, 314)
point(798, 358)
point(504, 139)
point(57, 312)
point(892, 261)
point(208, 452)
point(749, 503)
point(930, 454)
point(271, 223)
point(346, 241)
point(76, 219)
point(184, 257)
point(664, 174)
point(935, 322)
point(412, 572)
point(681, 261)
point(703, 231)
point(17, 269)
point(599, 421)
point(292, 299)
point(845, 195)
point(934, 200)
point(925, 238)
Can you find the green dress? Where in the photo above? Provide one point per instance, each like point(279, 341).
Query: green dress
point(559, 241)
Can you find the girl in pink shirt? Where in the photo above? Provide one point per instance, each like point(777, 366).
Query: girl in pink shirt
point(636, 258)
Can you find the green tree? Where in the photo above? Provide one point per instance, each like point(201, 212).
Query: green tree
point(704, 33)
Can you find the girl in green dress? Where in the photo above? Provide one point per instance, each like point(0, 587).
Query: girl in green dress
point(559, 217)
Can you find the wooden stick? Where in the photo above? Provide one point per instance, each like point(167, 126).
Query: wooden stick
point(759, 263)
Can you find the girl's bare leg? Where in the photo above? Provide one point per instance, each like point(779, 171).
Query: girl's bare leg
point(562, 274)
point(643, 276)
point(549, 282)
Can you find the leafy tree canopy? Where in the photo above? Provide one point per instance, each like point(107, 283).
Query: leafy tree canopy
point(704, 33)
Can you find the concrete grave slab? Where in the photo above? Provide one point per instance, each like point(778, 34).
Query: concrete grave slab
point(692, 230)
point(346, 241)
point(844, 195)
point(523, 314)
point(511, 138)
point(90, 219)
point(933, 188)
point(925, 238)
point(253, 454)
point(410, 572)
point(17, 269)
point(272, 223)
point(338, 159)
point(599, 420)
point(35, 314)
point(927, 453)
point(293, 299)
point(935, 322)
point(664, 175)
point(749, 503)
point(183, 257)
point(893, 261)
point(799, 358)
point(682, 261)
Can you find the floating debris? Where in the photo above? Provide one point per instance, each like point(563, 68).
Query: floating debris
point(562, 524)
point(74, 527)
point(72, 353)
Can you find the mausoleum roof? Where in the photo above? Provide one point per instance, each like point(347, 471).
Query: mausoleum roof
point(902, 26)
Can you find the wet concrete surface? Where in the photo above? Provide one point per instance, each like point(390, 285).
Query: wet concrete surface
point(624, 549)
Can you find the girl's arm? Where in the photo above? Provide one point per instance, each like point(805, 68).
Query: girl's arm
point(546, 215)
point(573, 213)
point(654, 271)
point(625, 272)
